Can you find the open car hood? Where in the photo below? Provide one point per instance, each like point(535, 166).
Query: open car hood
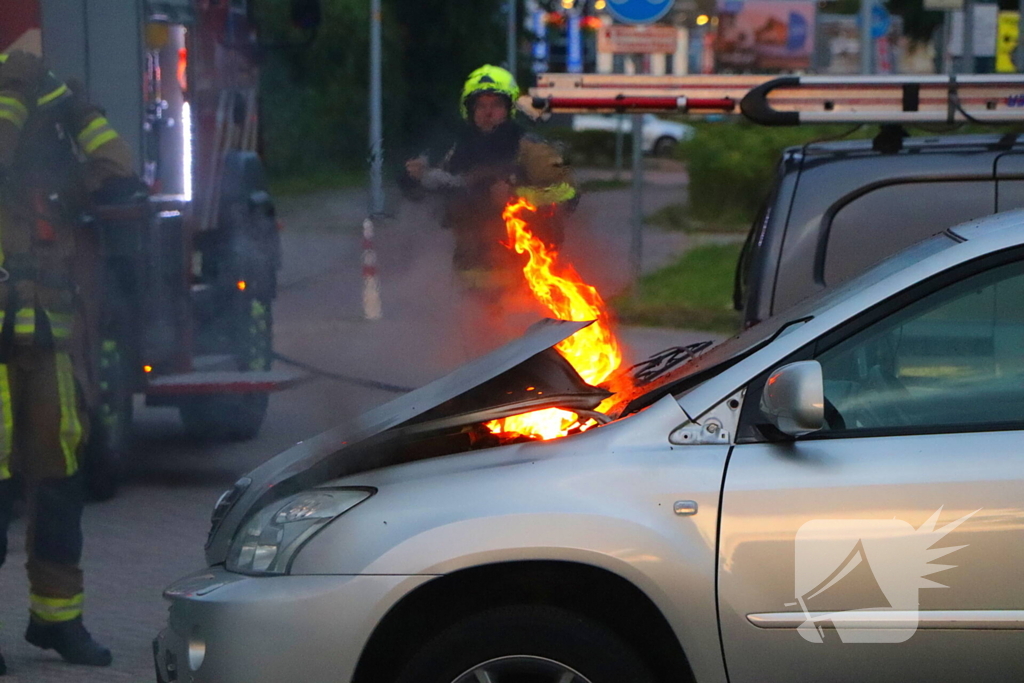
point(524, 375)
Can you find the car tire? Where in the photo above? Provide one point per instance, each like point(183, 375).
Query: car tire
point(665, 146)
point(526, 642)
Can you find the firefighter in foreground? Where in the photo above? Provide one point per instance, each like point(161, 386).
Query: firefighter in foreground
point(57, 153)
point(492, 161)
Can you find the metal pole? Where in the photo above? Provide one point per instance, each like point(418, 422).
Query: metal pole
point(636, 242)
point(946, 62)
point(376, 122)
point(619, 134)
point(866, 43)
point(511, 47)
point(1018, 54)
point(968, 45)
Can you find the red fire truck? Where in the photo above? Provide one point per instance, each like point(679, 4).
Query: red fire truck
point(190, 271)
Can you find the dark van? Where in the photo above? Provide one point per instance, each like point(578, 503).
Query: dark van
point(838, 207)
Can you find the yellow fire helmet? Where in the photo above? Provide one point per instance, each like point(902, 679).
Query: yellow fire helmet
point(489, 79)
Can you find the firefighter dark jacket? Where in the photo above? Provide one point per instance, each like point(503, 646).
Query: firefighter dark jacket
point(535, 169)
point(56, 152)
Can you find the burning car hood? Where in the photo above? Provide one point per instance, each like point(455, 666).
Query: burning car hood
point(524, 375)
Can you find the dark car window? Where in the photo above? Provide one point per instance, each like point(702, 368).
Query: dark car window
point(953, 361)
point(893, 217)
point(749, 252)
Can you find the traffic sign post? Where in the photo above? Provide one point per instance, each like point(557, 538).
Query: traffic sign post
point(639, 11)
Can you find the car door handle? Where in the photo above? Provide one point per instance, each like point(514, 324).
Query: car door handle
point(685, 508)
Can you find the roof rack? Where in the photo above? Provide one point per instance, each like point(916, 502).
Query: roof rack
point(791, 100)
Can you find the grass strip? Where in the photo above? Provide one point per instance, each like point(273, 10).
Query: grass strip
point(695, 293)
point(677, 217)
point(602, 184)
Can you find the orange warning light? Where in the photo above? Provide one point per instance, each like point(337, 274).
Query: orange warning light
point(147, 368)
point(241, 285)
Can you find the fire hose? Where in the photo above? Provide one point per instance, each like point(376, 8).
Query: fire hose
point(327, 374)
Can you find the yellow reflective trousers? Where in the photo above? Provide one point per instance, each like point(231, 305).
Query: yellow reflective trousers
point(43, 429)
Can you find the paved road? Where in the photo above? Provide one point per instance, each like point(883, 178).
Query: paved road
point(154, 531)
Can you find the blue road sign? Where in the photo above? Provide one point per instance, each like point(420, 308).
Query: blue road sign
point(880, 21)
point(574, 56)
point(639, 11)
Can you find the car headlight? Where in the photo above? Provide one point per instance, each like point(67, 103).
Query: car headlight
point(270, 539)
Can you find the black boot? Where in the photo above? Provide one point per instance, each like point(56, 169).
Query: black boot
point(3, 666)
point(71, 641)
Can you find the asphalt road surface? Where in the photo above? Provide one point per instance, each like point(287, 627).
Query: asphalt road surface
point(154, 531)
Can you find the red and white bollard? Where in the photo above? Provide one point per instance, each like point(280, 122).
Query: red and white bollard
point(371, 286)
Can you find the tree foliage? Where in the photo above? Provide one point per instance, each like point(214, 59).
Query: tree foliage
point(315, 97)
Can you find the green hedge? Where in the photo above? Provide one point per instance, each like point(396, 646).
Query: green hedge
point(693, 293)
point(732, 165)
point(589, 147)
point(314, 97)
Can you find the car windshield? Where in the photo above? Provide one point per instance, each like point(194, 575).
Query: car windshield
point(720, 356)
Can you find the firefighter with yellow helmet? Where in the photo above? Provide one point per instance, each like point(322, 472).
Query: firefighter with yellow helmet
point(57, 153)
point(493, 160)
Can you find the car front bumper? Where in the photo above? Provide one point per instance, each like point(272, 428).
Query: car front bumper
point(228, 628)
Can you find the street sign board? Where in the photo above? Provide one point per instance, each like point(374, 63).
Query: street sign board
point(639, 11)
point(637, 39)
point(986, 19)
point(765, 35)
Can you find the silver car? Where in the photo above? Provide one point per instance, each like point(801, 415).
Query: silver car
point(783, 506)
point(660, 136)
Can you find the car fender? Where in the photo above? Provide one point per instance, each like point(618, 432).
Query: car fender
point(603, 498)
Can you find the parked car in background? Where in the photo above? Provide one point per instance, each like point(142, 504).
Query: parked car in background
point(836, 208)
point(660, 136)
point(745, 513)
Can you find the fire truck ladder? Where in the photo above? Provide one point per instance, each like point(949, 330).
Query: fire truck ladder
point(790, 100)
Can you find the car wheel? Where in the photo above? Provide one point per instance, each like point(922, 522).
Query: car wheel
point(526, 644)
point(665, 147)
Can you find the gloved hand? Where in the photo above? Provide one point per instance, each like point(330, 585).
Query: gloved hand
point(22, 73)
point(120, 190)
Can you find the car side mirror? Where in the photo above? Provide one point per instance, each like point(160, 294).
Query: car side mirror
point(793, 399)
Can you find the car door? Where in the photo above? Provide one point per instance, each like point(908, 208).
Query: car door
point(888, 546)
point(653, 129)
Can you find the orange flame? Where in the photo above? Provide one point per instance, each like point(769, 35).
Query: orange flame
point(593, 351)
